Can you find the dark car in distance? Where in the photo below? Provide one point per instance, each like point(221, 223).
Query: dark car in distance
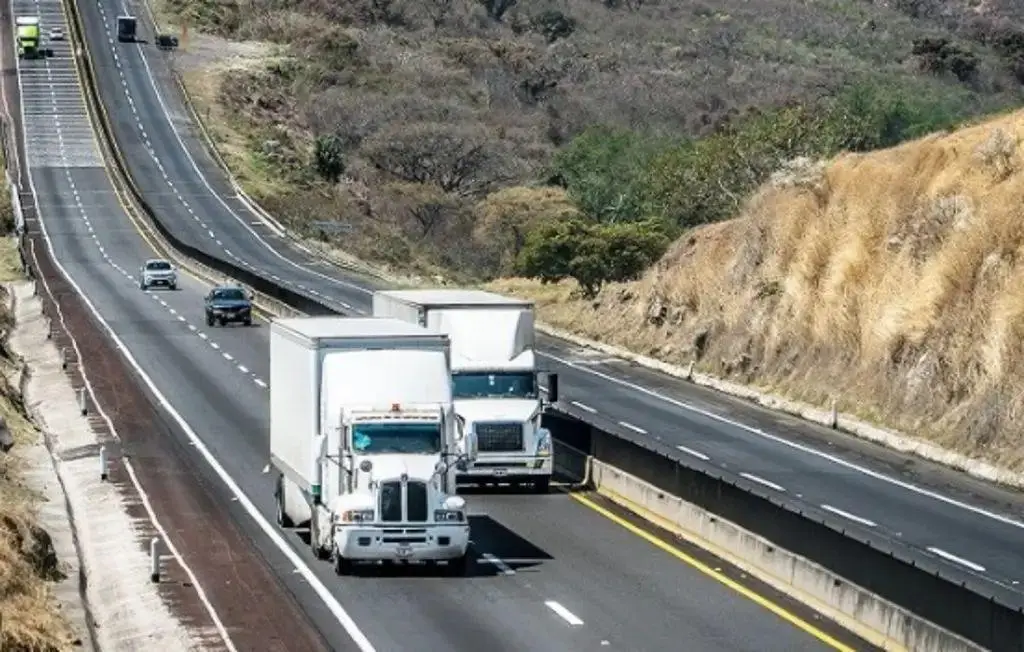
point(228, 304)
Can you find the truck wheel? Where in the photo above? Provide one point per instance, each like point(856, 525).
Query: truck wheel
point(282, 518)
point(221, 322)
point(248, 321)
point(342, 566)
point(542, 486)
point(457, 567)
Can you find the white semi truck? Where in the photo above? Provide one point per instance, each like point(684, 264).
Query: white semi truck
point(494, 371)
point(363, 437)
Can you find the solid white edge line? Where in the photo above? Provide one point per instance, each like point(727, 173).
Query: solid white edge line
point(956, 560)
point(584, 407)
point(790, 444)
point(630, 426)
point(270, 531)
point(760, 480)
point(143, 496)
point(690, 451)
point(563, 613)
point(848, 515)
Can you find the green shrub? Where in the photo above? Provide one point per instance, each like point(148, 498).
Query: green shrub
point(591, 253)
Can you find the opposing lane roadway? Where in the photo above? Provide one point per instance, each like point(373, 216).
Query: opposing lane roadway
point(566, 569)
point(963, 524)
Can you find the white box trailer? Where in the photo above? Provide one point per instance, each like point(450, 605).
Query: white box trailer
point(494, 371)
point(363, 437)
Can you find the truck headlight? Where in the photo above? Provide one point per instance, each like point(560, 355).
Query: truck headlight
point(543, 442)
point(449, 515)
point(356, 516)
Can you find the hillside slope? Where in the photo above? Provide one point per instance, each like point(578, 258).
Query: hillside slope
point(395, 120)
point(893, 280)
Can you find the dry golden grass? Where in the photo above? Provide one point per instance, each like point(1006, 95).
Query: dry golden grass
point(30, 619)
point(892, 280)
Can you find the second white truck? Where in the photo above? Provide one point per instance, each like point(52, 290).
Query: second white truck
point(494, 370)
point(363, 437)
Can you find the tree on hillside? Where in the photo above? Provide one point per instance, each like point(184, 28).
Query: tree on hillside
point(592, 254)
point(455, 158)
point(504, 219)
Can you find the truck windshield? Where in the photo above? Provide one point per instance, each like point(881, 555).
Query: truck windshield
point(417, 438)
point(495, 385)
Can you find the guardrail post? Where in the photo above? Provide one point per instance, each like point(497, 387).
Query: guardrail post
point(49, 328)
point(154, 560)
point(834, 416)
point(82, 405)
point(689, 371)
point(63, 358)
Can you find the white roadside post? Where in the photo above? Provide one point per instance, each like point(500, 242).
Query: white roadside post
point(154, 560)
point(103, 464)
point(82, 402)
point(63, 358)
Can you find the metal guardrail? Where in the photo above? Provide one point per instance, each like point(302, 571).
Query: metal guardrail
point(923, 588)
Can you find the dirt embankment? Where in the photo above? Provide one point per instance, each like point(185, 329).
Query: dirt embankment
point(893, 281)
point(30, 618)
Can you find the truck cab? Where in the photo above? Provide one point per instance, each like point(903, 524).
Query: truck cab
point(494, 377)
point(364, 435)
point(398, 498)
point(27, 36)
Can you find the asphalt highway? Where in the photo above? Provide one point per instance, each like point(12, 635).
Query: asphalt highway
point(550, 574)
point(928, 511)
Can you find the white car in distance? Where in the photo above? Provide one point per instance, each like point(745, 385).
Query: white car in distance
point(56, 34)
point(158, 272)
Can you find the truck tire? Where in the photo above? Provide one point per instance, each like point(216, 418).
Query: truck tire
point(282, 518)
point(542, 486)
point(342, 566)
point(459, 566)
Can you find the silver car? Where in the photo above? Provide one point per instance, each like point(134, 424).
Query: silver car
point(158, 272)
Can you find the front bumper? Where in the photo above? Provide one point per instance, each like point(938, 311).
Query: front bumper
point(228, 314)
point(376, 543)
point(507, 468)
point(160, 280)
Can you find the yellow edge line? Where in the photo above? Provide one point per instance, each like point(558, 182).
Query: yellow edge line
point(762, 601)
point(115, 150)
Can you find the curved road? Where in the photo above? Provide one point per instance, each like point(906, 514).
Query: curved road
point(550, 574)
point(928, 511)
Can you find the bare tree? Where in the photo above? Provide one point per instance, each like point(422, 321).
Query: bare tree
point(456, 159)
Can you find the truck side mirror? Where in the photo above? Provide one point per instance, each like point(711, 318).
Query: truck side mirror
point(471, 446)
point(552, 388)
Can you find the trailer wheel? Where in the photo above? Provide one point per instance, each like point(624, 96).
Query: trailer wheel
point(542, 486)
point(319, 551)
point(282, 517)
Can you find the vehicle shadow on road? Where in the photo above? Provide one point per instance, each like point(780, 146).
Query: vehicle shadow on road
point(496, 551)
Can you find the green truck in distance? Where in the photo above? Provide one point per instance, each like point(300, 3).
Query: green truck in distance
point(28, 37)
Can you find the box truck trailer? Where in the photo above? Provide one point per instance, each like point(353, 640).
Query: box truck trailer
point(363, 439)
point(494, 374)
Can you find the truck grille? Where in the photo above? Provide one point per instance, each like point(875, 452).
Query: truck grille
point(499, 437)
point(391, 501)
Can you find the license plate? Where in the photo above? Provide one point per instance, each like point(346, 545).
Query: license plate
point(404, 551)
point(500, 472)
